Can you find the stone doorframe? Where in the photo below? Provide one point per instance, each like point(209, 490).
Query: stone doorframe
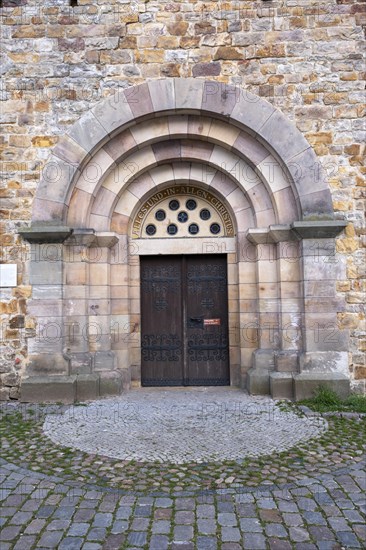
point(282, 262)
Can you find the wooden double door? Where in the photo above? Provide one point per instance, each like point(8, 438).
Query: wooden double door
point(184, 321)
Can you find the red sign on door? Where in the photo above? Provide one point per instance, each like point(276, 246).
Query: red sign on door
point(210, 322)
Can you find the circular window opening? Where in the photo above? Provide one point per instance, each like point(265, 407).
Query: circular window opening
point(215, 228)
point(205, 214)
point(151, 229)
point(160, 215)
point(191, 204)
point(182, 217)
point(172, 229)
point(174, 205)
point(193, 229)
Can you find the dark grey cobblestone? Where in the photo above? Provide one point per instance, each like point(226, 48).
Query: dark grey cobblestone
point(100, 520)
point(71, 543)
point(206, 543)
point(159, 542)
point(207, 526)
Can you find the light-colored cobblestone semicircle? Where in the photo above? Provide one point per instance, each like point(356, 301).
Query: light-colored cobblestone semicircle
point(174, 96)
point(180, 425)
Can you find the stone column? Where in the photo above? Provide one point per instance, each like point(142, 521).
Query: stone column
point(324, 359)
point(289, 268)
point(248, 305)
point(76, 293)
point(267, 310)
point(48, 370)
point(319, 354)
point(98, 330)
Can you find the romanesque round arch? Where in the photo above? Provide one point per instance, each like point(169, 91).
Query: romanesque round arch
point(216, 137)
point(233, 106)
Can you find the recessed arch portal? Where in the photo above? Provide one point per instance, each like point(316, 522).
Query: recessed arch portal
point(217, 138)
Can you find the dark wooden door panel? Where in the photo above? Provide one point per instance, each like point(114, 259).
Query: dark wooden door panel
point(207, 321)
point(161, 324)
point(184, 321)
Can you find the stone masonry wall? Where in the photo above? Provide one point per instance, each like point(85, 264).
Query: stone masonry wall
point(303, 56)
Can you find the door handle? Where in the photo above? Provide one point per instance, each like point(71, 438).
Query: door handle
point(195, 322)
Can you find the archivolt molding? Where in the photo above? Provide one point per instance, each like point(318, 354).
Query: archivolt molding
point(121, 188)
point(104, 179)
point(237, 116)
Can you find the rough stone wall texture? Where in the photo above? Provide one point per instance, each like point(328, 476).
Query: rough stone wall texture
point(303, 56)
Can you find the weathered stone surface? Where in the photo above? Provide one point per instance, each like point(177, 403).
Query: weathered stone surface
point(82, 69)
point(206, 69)
point(281, 385)
point(87, 387)
point(110, 383)
point(48, 390)
point(305, 385)
point(227, 53)
point(179, 28)
point(258, 382)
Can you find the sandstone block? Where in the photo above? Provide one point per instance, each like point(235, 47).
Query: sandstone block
point(356, 298)
point(150, 56)
point(87, 387)
point(227, 53)
point(29, 31)
point(10, 379)
point(110, 383)
point(305, 385)
point(258, 382)
point(204, 27)
point(349, 320)
point(359, 373)
point(75, 45)
point(115, 57)
point(206, 69)
point(347, 246)
point(281, 385)
point(4, 394)
point(48, 390)
point(43, 141)
point(178, 28)
point(343, 286)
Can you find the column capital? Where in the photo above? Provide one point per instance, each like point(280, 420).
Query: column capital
point(295, 231)
point(44, 234)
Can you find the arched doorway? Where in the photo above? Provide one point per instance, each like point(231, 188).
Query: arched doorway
point(236, 148)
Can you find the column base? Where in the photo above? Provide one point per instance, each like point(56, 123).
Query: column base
point(287, 361)
point(69, 389)
point(48, 364)
point(48, 389)
point(281, 385)
point(258, 382)
point(306, 383)
point(258, 376)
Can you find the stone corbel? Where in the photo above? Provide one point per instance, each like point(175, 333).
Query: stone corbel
point(44, 234)
point(272, 234)
point(92, 239)
point(318, 229)
point(81, 237)
point(105, 239)
point(295, 231)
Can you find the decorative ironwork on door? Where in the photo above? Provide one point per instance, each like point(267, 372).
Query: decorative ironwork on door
point(208, 346)
point(164, 347)
point(184, 320)
point(211, 276)
point(159, 281)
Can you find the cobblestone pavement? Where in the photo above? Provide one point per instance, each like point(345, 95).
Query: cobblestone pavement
point(182, 425)
point(42, 512)
point(309, 497)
